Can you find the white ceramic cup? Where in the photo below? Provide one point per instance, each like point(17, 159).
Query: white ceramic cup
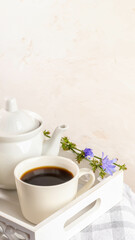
point(39, 202)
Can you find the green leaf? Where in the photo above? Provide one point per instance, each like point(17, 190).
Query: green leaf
point(46, 133)
point(67, 145)
point(102, 173)
point(80, 156)
point(122, 167)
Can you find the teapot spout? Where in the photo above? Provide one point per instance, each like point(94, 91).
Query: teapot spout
point(51, 147)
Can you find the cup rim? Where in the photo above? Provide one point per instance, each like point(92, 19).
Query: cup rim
point(44, 157)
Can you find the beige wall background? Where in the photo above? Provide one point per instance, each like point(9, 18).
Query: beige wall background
point(73, 62)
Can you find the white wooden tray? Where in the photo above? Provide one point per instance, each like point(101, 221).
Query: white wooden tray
point(64, 223)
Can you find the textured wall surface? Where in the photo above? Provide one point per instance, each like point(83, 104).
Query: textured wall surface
point(73, 62)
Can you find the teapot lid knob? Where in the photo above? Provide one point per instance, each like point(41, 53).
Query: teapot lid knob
point(14, 121)
point(11, 105)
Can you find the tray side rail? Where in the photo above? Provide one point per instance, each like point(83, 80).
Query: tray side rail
point(85, 209)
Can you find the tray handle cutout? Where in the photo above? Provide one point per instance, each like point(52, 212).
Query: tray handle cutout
point(81, 216)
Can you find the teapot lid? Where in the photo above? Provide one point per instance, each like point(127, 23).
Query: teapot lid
point(14, 121)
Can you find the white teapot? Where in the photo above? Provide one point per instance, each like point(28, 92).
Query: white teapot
point(21, 137)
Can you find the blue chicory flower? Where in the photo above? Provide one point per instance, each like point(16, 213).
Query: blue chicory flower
point(88, 153)
point(108, 165)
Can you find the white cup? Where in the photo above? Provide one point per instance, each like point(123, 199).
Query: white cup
point(39, 202)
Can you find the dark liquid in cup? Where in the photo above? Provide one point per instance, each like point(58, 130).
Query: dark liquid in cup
point(47, 176)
